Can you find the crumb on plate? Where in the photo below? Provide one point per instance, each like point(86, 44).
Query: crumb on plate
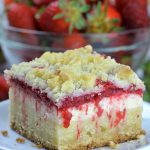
point(20, 140)
point(4, 133)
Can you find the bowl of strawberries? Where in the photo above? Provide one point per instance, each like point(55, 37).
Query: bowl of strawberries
point(119, 28)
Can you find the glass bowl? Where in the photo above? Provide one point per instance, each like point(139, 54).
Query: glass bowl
point(127, 47)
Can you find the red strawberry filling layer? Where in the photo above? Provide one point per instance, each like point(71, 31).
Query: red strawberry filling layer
point(77, 101)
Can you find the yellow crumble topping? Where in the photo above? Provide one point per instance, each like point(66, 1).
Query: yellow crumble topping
point(78, 69)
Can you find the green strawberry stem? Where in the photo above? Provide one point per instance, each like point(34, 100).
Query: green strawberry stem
point(72, 11)
point(98, 21)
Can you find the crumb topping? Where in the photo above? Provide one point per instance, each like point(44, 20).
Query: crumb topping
point(113, 145)
point(140, 136)
point(60, 74)
point(4, 133)
point(20, 140)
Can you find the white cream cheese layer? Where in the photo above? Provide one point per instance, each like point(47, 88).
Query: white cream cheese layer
point(129, 101)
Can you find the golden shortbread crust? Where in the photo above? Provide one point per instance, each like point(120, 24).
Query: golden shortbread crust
point(119, 139)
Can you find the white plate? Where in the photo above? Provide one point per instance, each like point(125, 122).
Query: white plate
point(9, 143)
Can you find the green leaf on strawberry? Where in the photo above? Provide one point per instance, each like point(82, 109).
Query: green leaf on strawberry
point(47, 22)
point(103, 19)
point(72, 11)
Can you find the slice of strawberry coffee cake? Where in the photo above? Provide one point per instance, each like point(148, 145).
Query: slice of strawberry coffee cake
point(75, 100)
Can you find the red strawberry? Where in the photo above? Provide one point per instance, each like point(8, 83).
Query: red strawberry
point(110, 2)
point(104, 19)
point(34, 10)
point(3, 84)
point(41, 2)
point(3, 88)
point(20, 15)
point(118, 40)
point(74, 40)
point(8, 2)
point(47, 21)
point(112, 13)
point(64, 16)
point(134, 13)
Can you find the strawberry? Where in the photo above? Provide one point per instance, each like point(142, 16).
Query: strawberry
point(73, 12)
point(111, 14)
point(47, 21)
point(121, 40)
point(134, 13)
point(20, 15)
point(8, 2)
point(74, 40)
point(64, 15)
point(110, 2)
point(3, 88)
point(3, 85)
point(104, 19)
point(41, 2)
point(34, 10)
